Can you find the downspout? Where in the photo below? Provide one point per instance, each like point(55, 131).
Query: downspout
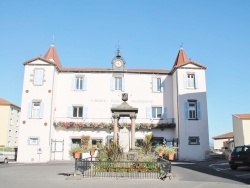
point(178, 118)
point(52, 113)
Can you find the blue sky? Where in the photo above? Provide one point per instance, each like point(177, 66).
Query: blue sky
point(150, 33)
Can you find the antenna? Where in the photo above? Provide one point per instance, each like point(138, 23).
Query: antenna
point(181, 45)
point(53, 39)
point(118, 49)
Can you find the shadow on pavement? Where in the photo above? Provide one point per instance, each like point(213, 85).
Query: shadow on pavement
point(203, 167)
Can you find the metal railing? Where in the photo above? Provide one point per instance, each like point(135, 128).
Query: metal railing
point(123, 169)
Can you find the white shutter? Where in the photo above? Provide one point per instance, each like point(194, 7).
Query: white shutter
point(85, 112)
point(41, 110)
point(85, 83)
point(154, 84)
point(123, 84)
point(185, 80)
point(73, 83)
point(29, 110)
point(38, 77)
point(163, 85)
point(196, 81)
point(149, 113)
point(112, 83)
point(165, 113)
point(70, 111)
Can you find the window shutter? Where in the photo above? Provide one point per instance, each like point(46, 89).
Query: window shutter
point(185, 80)
point(186, 110)
point(198, 110)
point(85, 83)
point(196, 81)
point(154, 84)
point(29, 110)
point(123, 84)
point(70, 111)
point(165, 113)
point(41, 110)
point(73, 83)
point(149, 113)
point(163, 85)
point(85, 112)
point(38, 77)
point(112, 84)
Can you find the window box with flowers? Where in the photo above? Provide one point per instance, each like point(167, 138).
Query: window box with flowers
point(102, 125)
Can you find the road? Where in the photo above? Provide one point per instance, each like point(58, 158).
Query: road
point(187, 174)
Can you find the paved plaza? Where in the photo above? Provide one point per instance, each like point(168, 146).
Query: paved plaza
point(54, 174)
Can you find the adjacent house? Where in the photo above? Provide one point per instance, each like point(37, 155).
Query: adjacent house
point(9, 123)
point(222, 141)
point(241, 129)
point(60, 104)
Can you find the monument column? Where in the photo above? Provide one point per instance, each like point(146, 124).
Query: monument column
point(115, 116)
point(133, 117)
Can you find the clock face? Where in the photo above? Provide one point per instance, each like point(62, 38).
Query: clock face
point(118, 63)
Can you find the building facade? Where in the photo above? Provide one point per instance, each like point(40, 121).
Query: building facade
point(222, 141)
point(61, 104)
point(9, 123)
point(241, 129)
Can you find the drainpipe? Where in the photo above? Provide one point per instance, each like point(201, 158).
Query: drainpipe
point(178, 118)
point(51, 112)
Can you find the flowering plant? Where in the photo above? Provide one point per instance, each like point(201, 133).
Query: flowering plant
point(99, 125)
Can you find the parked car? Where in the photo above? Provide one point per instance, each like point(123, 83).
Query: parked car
point(3, 158)
point(240, 157)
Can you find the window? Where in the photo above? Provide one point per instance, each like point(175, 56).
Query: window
point(36, 107)
point(118, 83)
point(16, 134)
point(138, 142)
point(191, 80)
point(9, 132)
point(38, 77)
point(11, 122)
point(9, 145)
point(192, 110)
point(156, 112)
point(157, 84)
point(194, 140)
point(17, 123)
point(79, 83)
point(33, 141)
point(96, 143)
point(77, 111)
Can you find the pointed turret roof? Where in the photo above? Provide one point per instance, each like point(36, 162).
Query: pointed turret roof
point(51, 55)
point(181, 58)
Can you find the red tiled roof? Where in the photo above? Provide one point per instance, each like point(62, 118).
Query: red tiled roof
point(224, 136)
point(181, 58)
point(51, 55)
point(7, 103)
point(242, 116)
point(39, 58)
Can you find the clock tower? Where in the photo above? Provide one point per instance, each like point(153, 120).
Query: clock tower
point(118, 62)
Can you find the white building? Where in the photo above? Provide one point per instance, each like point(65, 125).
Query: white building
point(9, 123)
point(241, 129)
point(61, 104)
point(222, 141)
